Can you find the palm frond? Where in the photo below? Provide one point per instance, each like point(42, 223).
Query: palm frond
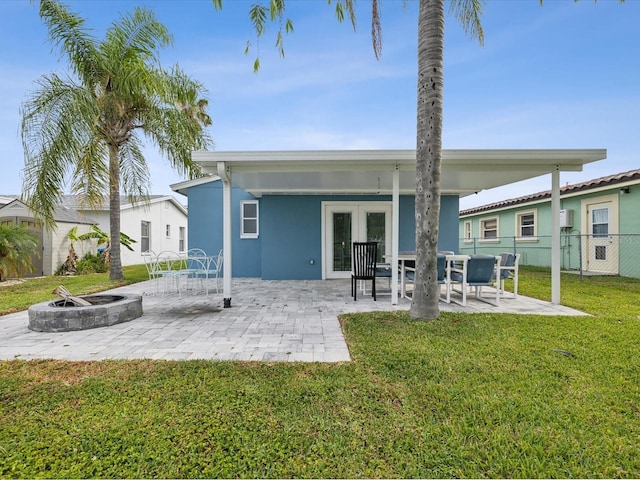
point(137, 37)
point(57, 123)
point(135, 178)
point(468, 13)
point(67, 31)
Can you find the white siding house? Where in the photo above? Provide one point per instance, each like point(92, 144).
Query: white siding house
point(158, 225)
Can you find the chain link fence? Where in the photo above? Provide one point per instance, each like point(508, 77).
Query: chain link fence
point(584, 254)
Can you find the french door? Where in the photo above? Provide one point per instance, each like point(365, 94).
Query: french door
point(348, 222)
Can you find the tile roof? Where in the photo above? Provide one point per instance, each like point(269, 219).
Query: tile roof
point(609, 180)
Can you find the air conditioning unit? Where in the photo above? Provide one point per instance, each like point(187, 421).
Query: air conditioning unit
point(566, 218)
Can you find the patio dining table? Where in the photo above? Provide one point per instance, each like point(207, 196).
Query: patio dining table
point(410, 256)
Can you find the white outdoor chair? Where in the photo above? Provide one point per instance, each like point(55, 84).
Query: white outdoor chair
point(198, 269)
point(153, 269)
point(172, 267)
point(215, 268)
point(508, 270)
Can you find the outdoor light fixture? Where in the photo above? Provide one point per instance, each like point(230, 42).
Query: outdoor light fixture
point(624, 190)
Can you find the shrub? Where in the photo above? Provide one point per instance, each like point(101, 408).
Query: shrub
point(92, 263)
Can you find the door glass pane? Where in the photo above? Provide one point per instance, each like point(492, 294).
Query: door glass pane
point(600, 222)
point(375, 232)
point(342, 242)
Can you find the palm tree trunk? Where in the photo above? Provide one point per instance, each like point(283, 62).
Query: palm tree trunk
point(115, 271)
point(424, 305)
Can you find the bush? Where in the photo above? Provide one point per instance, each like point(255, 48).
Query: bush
point(92, 263)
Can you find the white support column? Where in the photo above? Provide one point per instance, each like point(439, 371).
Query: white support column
point(395, 234)
point(555, 236)
point(225, 175)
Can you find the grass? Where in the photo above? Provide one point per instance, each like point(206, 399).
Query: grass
point(469, 395)
point(20, 296)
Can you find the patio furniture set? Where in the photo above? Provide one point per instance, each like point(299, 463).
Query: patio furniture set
point(457, 273)
point(180, 272)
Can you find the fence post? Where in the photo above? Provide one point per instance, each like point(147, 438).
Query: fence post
point(580, 253)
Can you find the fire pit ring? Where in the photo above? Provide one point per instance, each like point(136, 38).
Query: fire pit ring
point(105, 310)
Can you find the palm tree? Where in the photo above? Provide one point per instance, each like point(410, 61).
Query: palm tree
point(424, 304)
point(431, 18)
point(86, 129)
point(17, 246)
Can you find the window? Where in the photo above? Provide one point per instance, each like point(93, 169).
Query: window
point(249, 219)
point(468, 231)
point(526, 225)
point(181, 231)
point(168, 231)
point(145, 228)
point(600, 222)
point(489, 228)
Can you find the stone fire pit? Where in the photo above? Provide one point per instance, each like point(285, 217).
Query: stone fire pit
point(103, 311)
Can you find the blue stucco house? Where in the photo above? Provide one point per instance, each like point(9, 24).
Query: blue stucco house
point(292, 215)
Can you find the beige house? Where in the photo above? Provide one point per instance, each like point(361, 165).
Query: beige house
point(54, 245)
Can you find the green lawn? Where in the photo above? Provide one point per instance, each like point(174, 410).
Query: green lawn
point(465, 396)
point(21, 296)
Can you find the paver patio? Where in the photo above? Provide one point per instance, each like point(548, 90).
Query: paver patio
point(278, 321)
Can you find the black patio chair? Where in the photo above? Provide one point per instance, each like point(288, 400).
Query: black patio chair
point(364, 266)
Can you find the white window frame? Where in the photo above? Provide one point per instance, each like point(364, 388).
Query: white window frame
point(483, 229)
point(148, 236)
point(467, 231)
point(519, 226)
point(181, 239)
point(167, 231)
point(244, 234)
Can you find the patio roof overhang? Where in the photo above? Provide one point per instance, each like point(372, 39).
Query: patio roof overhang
point(464, 172)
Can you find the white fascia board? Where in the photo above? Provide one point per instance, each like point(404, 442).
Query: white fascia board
point(304, 160)
point(164, 198)
point(564, 158)
point(181, 186)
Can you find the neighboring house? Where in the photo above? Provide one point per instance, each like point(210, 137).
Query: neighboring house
point(599, 224)
point(54, 245)
point(4, 199)
point(157, 225)
point(295, 214)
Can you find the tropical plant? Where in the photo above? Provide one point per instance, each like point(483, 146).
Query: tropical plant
point(70, 265)
point(105, 239)
point(92, 263)
point(17, 247)
point(88, 127)
point(429, 132)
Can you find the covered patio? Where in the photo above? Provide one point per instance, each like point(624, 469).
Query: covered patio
point(384, 172)
point(271, 321)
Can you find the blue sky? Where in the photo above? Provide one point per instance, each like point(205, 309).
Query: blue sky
point(564, 75)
